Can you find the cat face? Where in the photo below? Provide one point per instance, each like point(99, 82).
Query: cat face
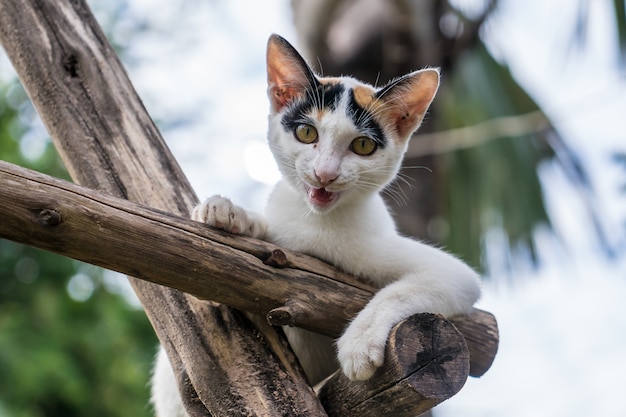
point(338, 139)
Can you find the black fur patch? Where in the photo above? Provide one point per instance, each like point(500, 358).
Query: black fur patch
point(326, 97)
point(322, 97)
point(365, 121)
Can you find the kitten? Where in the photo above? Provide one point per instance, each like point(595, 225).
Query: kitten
point(338, 143)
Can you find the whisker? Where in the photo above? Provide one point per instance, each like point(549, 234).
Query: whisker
point(377, 79)
point(397, 194)
point(405, 179)
point(416, 167)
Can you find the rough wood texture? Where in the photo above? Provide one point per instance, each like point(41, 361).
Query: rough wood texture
point(254, 276)
point(480, 330)
point(425, 352)
point(109, 143)
point(173, 251)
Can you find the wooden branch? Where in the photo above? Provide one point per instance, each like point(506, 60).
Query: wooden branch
point(109, 143)
point(90, 226)
point(251, 275)
point(425, 352)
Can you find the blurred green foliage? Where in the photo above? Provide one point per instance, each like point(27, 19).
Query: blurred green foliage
point(70, 344)
point(484, 184)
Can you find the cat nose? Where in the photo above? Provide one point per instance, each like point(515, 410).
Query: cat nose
point(325, 178)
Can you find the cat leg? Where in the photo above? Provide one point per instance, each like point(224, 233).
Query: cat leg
point(315, 352)
point(164, 391)
point(221, 213)
point(361, 349)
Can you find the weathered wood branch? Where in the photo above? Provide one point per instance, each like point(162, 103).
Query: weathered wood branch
point(426, 362)
point(170, 250)
point(289, 288)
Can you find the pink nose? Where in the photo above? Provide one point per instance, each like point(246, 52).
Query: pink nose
point(325, 178)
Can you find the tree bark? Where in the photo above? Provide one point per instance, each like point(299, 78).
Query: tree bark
point(109, 143)
point(286, 287)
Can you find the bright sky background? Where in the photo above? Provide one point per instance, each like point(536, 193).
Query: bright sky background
point(563, 327)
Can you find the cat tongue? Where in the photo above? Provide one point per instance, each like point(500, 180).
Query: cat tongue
point(321, 196)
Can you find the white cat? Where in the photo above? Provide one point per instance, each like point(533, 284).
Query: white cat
point(338, 143)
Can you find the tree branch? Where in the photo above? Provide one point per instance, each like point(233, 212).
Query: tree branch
point(478, 134)
point(425, 352)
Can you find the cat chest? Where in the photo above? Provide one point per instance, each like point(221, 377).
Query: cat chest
point(338, 245)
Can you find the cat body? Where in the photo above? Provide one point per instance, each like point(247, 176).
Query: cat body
point(338, 143)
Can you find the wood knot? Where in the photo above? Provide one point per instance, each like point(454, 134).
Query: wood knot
point(277, 259)
point(70, 65)
point(50, 217)
point(280, 316)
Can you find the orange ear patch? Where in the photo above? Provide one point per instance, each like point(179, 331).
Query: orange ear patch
point(408, 99)
point(364, 96)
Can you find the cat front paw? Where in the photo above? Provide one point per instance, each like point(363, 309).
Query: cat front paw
point(360, 353)
point(221, 213)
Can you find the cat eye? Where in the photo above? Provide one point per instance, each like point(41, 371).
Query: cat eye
point(306, 133)
point(363, 146)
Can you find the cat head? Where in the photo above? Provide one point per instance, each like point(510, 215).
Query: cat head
point(336, 138)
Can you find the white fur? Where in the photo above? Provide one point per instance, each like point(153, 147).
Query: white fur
point(164, 396)
point(361, 240)
point(356, 234)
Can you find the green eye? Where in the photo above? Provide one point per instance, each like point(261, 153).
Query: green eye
point(363, 146)
point(306, 133)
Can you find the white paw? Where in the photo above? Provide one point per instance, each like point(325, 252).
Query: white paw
point(221, 213)
point(360, 353)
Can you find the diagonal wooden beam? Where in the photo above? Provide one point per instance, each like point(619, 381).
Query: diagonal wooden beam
point(116, 234)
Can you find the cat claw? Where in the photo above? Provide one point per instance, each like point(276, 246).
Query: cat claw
point(358, 369)
point(359, 359)
point(221, 213)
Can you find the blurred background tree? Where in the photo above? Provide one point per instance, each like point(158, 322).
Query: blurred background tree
point(71, 342)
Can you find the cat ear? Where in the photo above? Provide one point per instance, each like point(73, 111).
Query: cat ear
point(288, 75)
point(408, 98)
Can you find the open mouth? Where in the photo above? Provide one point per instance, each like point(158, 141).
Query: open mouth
point(321, 197)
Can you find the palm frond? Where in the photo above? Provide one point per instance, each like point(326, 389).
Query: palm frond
point(494, 185)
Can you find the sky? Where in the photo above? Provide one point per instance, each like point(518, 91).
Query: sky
point(213, 99)
point(201, 74)
point(562, 327)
